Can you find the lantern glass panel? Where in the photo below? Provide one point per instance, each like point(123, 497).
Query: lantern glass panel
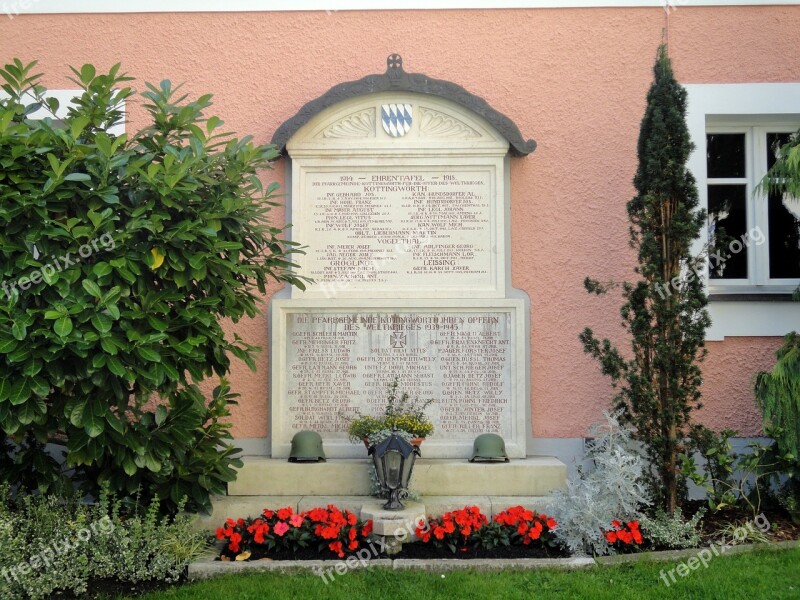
point(394, 463)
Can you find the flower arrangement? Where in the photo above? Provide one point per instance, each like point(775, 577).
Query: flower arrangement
point(527, 526)
point(624, 537)
point(282, 532)
point(400, 413)
point(453, 530)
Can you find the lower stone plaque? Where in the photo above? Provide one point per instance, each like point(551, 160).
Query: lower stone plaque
point(331, 362)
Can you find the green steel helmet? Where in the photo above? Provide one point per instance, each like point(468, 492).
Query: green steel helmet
point(489, 447)
point(307, 447)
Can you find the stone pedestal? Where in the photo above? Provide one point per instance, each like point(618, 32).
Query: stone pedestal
point(394, 527)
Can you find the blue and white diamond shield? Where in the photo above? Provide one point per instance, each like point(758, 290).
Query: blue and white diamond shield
point(396, 119)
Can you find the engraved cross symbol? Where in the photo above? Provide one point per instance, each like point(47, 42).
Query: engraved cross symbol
point(398, 339)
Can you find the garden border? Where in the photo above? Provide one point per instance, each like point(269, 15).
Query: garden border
point(210, 567)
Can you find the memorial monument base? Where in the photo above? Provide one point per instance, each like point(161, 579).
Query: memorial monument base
point(443, 485)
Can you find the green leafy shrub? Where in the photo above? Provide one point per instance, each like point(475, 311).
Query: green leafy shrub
point(120, 256)
point(717, 476)
point(672, 532)
point(50, 545)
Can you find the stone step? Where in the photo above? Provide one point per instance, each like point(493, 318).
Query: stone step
point(532, 476)
point(250, 506)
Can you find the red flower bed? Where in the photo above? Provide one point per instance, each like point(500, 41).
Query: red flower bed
point(624, 537)
point(284, 532)
point(468, 530)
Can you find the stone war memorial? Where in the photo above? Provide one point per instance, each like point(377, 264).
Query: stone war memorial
point(399, 186)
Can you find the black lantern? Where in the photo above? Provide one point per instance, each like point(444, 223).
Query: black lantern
point(394, 459)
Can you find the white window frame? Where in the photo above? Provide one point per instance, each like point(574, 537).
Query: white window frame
point(741, 105)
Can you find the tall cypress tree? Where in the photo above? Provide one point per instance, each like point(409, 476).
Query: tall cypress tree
point(664, 312)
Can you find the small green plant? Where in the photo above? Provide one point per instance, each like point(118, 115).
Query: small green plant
point(717, 478)
point(50, 546)
point(743, 479)
point(401, 413)
point(672, 532)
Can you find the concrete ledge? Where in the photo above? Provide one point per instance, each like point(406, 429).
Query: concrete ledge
point(670, 555)
point(491, 564)
point(208, 568)
point(242, 506)
point(251, 506)
point(532, 476)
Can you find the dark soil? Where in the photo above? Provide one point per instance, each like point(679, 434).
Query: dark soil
point(429, 551)
point(310, 553)
point(111, 588)
point(416, 550)
point(782, 528)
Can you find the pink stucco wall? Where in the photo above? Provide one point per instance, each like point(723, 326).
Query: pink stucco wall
point(573, 79)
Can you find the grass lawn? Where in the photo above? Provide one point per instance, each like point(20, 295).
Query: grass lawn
point(768, 574)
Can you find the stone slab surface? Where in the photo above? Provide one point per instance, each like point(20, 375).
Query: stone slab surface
point(532, 476)
point(333, 360)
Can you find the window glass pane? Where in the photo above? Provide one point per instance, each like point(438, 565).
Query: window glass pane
point(784, 237)
point(727, 221)
point(725, 155)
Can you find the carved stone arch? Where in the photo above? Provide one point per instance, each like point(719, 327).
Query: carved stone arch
point(396, 80)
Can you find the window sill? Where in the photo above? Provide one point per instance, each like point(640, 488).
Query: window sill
point(763, 297)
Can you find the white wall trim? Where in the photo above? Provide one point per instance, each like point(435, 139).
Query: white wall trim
point(19, 7)
point(757, 101)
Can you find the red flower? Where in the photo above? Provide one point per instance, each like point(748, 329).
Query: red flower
point(625, 536)
point(285, 513)
point(637, 536)
point(351, 519)
point(352, 533)
point(352, 545)
point(280, 528)
point(551, 523)
point(367, 529)
point(633, 525)
point(536, 531)
point(317, 515)
point(221, 534)
point(234, 545)
point(616, 524)
point(449, 527)
point(337, 548)
point(296, 520)
point(611, 537)
point(438, 532)
point(522, 529)
point(268, 514)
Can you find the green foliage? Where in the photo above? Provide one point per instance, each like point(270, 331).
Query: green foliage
point(784, 175)
point(717, 478)
point(50, 545)
point(672, 532)
point(778, 396)
point(120, 258)
point(658, 385)
point(735, 479)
